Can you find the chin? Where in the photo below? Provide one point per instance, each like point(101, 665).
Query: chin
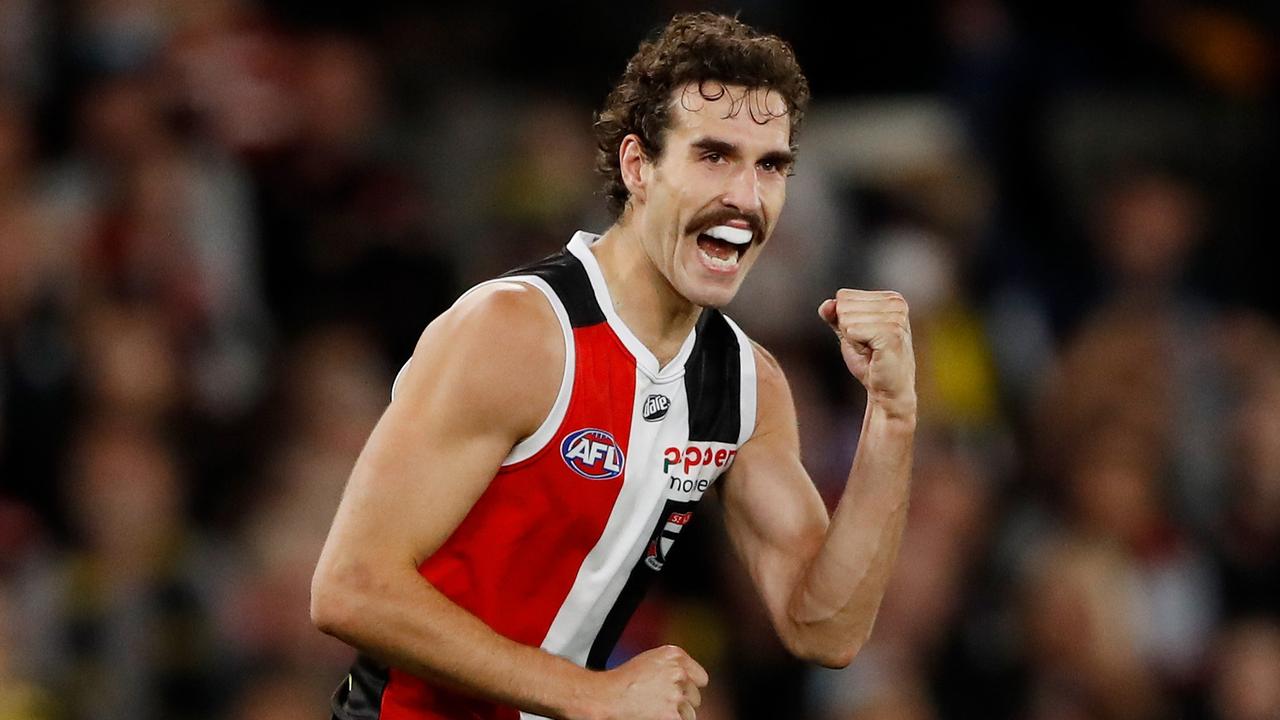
point(712, 297)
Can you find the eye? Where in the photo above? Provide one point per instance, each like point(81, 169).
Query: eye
point(714, 157)
point(777, 168)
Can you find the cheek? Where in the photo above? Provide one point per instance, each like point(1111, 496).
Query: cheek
point(775, 197)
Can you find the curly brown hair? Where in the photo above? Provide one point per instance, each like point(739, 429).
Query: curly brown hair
point(702, 47)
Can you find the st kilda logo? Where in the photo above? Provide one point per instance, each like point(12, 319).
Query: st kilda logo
point(593, 454)
point(674, 518)
point(655, 407)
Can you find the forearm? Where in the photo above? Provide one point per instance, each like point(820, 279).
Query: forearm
point(403, 621)
point(834, 604)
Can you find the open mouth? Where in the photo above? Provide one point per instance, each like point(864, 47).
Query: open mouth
point(723, 246)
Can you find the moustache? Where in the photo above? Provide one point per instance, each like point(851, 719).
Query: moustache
point(724, 215)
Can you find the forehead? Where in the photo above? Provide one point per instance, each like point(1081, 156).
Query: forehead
point(733, 112)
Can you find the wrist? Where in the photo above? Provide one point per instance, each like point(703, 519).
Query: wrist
point(900, 412)
point(583, 699)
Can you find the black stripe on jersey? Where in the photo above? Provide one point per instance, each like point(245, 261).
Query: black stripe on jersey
point(359, 697)
point(566, 275)
point(713, 381)
point(642, 576)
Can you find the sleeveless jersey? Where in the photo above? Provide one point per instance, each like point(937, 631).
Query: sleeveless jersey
point(578, 521)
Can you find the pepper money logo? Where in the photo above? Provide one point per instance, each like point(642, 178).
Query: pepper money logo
point(593, 454)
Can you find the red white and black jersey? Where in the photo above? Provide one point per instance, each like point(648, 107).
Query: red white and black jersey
point(560, 548)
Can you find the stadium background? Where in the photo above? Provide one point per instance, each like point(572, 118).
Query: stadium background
point(223, 224)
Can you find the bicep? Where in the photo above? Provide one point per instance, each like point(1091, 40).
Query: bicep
point(773, 513)
point(457, 411)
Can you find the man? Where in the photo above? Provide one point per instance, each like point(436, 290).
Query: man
point(553, 431)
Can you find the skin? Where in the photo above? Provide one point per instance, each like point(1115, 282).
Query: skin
point(452, 422)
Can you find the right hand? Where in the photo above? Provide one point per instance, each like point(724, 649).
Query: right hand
point(660, 684)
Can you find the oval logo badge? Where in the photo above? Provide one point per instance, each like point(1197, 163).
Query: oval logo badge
point(655, 407)
point(593, 454)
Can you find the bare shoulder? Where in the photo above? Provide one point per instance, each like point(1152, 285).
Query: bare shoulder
point(766, 364)
point(775, 410)
point(499, 353)
point(771, 381)
point(508, 314)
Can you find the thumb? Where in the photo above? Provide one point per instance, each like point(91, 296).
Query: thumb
point(827, 311)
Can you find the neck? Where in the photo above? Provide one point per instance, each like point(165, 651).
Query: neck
point(642, 296)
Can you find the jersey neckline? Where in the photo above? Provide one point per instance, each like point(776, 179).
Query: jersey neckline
point(580, 247)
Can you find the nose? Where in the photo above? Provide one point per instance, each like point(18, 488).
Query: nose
point(743, 193)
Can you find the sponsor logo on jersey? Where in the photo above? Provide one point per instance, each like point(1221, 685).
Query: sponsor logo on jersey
point(694, 456)
point(655, 407)
point(593, 454)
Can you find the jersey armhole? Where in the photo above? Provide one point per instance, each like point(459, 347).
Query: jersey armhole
point(747, 391)
point(529, 446)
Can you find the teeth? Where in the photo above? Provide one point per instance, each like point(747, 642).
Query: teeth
point(721, 263)
point(730, 234)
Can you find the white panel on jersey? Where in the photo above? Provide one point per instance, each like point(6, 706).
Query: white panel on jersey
point(747, 395)
point(527, 447)
point(580, 246)
point(605, 571)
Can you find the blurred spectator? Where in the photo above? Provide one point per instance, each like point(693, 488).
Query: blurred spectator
point(336, 387)
point(170, 222)
point(1246, 685)
point(1116, 496)
point(20, 698)
point(131, 365)
point(121, 625)
point(1146, 354)
point(278, 695)
point(1083, 613)
point(1248, 533)
point(348, 230)
point(24, 46)
point(542, 186)
point(36, 347)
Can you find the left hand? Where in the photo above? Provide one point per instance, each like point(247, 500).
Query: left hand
point(875, 341)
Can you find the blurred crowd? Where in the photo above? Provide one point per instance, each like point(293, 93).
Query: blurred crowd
point(224, 223)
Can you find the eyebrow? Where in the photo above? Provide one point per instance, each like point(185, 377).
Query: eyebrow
point(784, 158)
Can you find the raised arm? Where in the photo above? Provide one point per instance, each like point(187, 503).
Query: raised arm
point(822, 578)
point(484, 375)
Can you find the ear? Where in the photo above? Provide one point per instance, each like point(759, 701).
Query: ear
point(635, 166)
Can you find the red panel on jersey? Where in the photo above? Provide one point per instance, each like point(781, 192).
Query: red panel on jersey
point(514, 558)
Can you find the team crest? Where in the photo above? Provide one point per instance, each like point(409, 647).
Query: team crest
point(669, 527)
point(593, 454)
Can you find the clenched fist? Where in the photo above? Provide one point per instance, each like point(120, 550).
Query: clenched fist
point(875, 340)
point(661, 684)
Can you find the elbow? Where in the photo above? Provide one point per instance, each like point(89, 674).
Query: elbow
point(835, 651)
point(331, 604)
point(835, 657)
point(326, 608)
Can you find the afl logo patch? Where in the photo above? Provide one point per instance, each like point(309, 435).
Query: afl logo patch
point(655, 407)
point(593, 454)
